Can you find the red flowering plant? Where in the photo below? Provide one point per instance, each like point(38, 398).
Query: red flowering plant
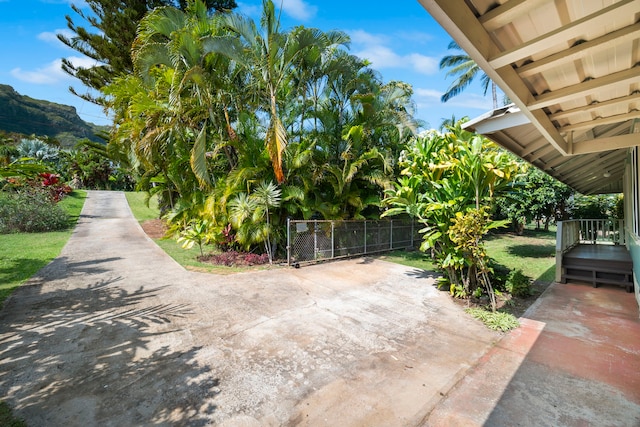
point(56, 189)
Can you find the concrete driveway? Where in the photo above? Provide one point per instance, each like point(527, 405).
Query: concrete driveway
point(115, 333)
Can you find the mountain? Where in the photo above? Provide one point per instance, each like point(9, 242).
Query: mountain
point(25, 115)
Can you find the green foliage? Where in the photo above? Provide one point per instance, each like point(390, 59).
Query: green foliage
point(7, 419)
point(197, 232)
point(494, 320)
point(466, 232)
point(30, 211)
point(539, 197)
point(518, 284)
point(28, 116)
point(23, 168)
point(618, 210)
point(90, 166)
point(448, 181)
point(23, 254)
point(599, 206)
point(109, 37)
point(217, 104)
point(249, 214)
point(465, 70)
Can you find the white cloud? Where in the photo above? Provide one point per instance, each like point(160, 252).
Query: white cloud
point(473, 101)
point(380, 56)
point(250, 10)
point(52, 38)
point(427, 93)
point(51, 73)
point(363, 37)
point(298, 9)
point(377, 49)
point(423, 64)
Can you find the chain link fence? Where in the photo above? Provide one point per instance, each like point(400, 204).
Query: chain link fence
point(319, 240)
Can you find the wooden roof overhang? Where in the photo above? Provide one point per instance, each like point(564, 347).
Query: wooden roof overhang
point(572, 70)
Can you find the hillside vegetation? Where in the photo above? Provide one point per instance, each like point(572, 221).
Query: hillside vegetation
point(28, 116)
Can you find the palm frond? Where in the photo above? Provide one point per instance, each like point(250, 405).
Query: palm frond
point(198, 158)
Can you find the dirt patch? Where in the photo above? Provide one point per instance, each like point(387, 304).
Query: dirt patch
point(155, 228)
point(507, 303)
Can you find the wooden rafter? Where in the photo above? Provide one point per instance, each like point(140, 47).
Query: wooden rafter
point(600, 121)
point(609, 82)
point(562, 34)
point(624, 100)
point(471, 36)
point(507, 12)
point(606, 144)
point(580, 51)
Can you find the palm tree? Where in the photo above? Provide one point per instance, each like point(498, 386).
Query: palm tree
point(465, 70)
point(270, 55)
point(249, 214)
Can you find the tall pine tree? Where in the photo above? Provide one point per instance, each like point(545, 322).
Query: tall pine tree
point(116, 23)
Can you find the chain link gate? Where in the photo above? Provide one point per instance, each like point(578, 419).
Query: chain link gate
point(316, 240)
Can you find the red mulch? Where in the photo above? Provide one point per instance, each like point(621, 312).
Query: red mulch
point(155, 228)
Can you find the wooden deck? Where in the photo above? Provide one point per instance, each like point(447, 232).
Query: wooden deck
point(599, 264)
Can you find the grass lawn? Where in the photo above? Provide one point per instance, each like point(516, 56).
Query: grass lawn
point(415, 259)
point(185, 257)
point(534, 253)
point(23, 254)
point(141, 211)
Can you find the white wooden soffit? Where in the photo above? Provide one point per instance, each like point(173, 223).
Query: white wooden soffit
point(461, 23)
point(562, 34)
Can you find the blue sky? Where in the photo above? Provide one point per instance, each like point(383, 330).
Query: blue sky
point(400, 39)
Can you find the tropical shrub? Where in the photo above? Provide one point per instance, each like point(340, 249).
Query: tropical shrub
point(196, 233)
point(235, 258)
point(448, 181)
point(30, 211)
point(495, 320)
point(518, 284)
point(57, 190)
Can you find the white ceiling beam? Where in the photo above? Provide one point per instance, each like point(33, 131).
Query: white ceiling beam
point(530, 148)
point(626, 100)
point(606, 144)
point(600, 121)
point(576, 29)
point(608, 82)
point(580, 51)
point(460, 22)
point(507, 12)
point(541, 153)
point(502, 122)
point(594, 163)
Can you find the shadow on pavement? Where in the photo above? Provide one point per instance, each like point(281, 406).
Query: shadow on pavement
point(63, 352)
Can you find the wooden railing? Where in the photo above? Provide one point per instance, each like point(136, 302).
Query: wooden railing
point(586, 231)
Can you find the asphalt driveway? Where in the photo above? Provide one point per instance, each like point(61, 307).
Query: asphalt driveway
point(115, 333)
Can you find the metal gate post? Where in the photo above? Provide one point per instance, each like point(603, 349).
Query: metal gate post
point(412, 233)
point(391, 234)
point(315, 239)
point(365, 236)
point(288, 241)
point(332, 240)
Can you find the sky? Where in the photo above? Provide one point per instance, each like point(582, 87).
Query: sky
point(400, 39)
